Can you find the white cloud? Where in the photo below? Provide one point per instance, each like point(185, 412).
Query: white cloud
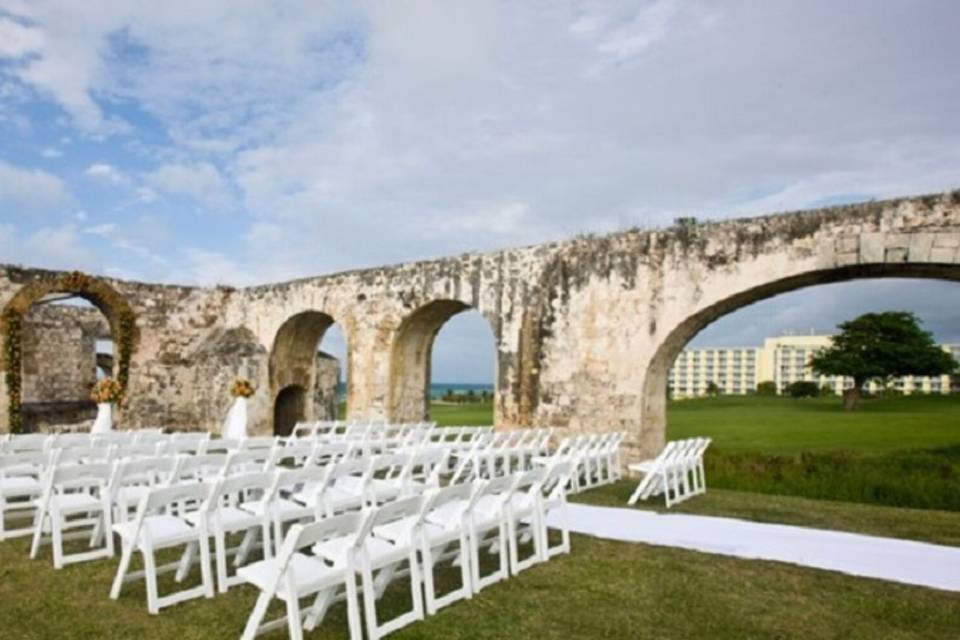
point(51, 152)
point(49, 247)
point(201, 181)
point(106, 173)
point(17, 40)
point(30, 188)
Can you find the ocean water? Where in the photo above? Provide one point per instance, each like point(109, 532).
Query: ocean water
point(438, 389)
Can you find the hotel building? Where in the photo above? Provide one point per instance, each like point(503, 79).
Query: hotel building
point(782, 360)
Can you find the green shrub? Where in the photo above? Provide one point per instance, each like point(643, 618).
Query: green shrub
point(767, 388)
point(803, 389)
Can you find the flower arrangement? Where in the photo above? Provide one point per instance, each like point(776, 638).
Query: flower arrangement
point(242, 388)
point(107, 391)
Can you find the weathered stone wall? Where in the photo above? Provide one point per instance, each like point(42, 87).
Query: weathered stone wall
point(325, 387)
point(585, 330)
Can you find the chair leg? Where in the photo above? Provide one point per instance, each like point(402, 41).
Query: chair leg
point(57, 533)
point(369, 602)
point(220, 550)
point(150, 576)
point(428, 585)
point(256, 616)
point(39, 519)
point(126, 554)
point(353, 608)
point(205, 573)
point(294, 622)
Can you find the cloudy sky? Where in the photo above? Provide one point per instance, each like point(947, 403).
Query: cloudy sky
point(242, 142)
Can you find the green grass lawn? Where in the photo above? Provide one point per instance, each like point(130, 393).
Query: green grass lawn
point(892, 451)
point(787, 425)
point(603, 589)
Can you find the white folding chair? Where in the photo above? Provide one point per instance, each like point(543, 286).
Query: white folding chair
point(554, 498)
point(21, 483)
point(523, 512)
point(293, 575)
point(444, 535)
point(224, 518)
point(487, 524)
point(292, 497)
point(75, 497)
point(376, 555)
point(160, 524)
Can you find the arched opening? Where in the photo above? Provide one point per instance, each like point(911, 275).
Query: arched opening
point(51, 328)
point(288, 409)
point(809, 446)
point(412, 361)
point(298, 361)
point(655, 387)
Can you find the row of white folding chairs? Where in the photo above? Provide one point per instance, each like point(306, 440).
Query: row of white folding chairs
point(596, 458)
point(23, 474)
point(501, 453)
point(47, 441)
point(45, 497)
point(453, 523)
point(677, 472)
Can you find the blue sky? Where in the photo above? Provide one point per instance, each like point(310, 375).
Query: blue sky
point(242, 142)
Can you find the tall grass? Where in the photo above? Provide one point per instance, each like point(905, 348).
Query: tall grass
point(920, 479)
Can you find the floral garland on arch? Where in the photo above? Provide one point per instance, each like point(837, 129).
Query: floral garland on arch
point(123, 325)
point(107, 391)
point(242, 388)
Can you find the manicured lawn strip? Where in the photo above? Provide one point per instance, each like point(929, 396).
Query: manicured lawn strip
point(939, 527)
point(779, 425)
point(603, 590)
point(462, 415)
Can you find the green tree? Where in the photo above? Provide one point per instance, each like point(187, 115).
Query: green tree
point(881, 346)
point(767, 388)
point(712, 389)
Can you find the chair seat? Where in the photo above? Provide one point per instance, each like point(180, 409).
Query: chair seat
point(448, 514)
point(645, 466)
point(131, 496)
point(162, 528)
point(74, 502)
point(20, 486)
point(340, 501)
point(280, 506)
point(335, 549)
point(309, 574)
point(230, 518)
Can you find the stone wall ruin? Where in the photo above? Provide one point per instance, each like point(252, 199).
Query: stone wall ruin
point(585, 330)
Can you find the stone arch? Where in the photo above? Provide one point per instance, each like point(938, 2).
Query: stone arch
point(289, 408)
point(293, 358)
point(98, 292)
point(655, 380)
point(409, 399)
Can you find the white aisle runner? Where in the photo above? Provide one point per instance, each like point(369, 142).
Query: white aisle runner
point(904, 561)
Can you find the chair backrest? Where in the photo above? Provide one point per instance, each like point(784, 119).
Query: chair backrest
point(78, 476)
point(199, 467)
point(81, 454)
point(301, 536)
point(554, 485)
point(143, 471)
point(439, 497)
point(232, 487)
point(427, 464)
point(162, 497)
point(257, 442)
point(243, 461)
point(27, 442)
point(294, 454)
point(69, 440)
point(390, 512)
point(26, 463)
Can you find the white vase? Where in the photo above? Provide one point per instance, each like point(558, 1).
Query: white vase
point(235, 426)
point(104, 421)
